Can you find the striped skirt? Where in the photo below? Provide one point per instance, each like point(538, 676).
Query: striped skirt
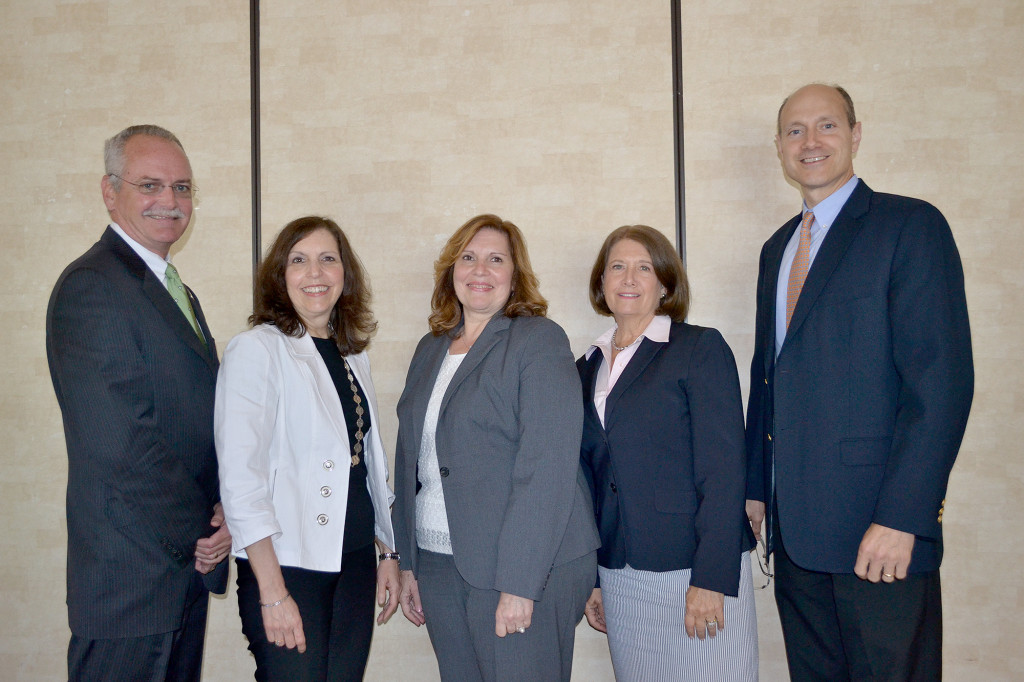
point(644, 612)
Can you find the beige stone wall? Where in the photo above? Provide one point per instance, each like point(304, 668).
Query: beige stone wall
point(401, 120)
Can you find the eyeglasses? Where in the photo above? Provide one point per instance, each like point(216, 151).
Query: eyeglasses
point(764, 564)
point(182, 190)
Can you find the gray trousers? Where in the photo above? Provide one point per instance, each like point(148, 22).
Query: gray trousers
point(460, 622)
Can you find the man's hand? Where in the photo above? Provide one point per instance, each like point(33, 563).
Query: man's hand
point(214, 549)
point(755, 514)
point(884, 554)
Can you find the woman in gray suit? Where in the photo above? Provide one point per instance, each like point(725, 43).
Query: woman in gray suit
point(493, 518)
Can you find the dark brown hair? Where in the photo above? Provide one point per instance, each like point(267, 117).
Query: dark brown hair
point(525, 299)
point(351, 323)
point(668, 268)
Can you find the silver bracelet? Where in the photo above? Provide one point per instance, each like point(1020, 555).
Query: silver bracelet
point(277, 603)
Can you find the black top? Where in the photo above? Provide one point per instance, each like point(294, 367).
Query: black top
point(359, 525)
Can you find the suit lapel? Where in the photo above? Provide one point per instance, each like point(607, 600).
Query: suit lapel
point(772, 265)
point(158, 295)
point(588, 377)
point(154, 290)
point(647, 351)
point(419, 392)
point(489, 337)
point(843, 231)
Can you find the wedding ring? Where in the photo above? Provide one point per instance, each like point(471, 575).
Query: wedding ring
point(711, 623)
point(520, 629)
point(888, 575)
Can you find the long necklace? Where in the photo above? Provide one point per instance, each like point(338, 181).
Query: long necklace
point(622, 348)
point(357, 448)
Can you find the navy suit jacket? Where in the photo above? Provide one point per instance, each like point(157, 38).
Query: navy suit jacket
point(136, 391)
point(507, 438)
point(668, 469)
point(860, 417)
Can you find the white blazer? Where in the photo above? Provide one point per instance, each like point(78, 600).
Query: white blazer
point(283, 449)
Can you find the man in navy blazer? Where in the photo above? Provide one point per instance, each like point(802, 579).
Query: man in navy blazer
point(134, 372)
point(858, 404)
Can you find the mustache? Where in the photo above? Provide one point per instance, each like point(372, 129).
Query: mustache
point(164, 213)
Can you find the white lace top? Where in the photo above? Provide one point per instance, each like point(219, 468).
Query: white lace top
point(431, 516)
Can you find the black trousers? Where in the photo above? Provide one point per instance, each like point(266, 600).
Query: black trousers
point(840, 628)
point(168, 657)
point(337, 618)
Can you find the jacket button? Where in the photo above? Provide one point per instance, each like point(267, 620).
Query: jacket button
point(322, 519)
point(329, 464)
point(615, 489)
point(444, 472)
point(325, 491)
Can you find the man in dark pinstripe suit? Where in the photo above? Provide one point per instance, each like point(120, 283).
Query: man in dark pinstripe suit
point(134, 372)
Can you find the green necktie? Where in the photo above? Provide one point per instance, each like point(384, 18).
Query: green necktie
point(180, 296)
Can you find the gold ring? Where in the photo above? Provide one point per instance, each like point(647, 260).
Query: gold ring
point(888, 575)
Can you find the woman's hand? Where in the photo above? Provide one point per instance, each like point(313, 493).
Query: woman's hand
point(389, 586)
point(595, 611)
point(283, 623)
point(410, 599)
point(281, 619)
point(705, 612)
point(513, 615)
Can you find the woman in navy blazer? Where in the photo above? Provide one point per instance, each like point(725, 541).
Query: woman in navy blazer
point(663, 451)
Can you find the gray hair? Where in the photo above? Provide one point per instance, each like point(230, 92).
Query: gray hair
point(113, 149)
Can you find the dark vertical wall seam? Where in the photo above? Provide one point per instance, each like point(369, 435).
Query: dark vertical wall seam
point(254, 104)
point(677, 117)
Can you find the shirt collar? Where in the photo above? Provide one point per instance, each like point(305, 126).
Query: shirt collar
point(657, 330)
point(826, 211)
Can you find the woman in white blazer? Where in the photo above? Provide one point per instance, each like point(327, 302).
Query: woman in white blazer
point(302, 468)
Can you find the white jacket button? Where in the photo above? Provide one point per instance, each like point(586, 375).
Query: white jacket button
point(322, 519)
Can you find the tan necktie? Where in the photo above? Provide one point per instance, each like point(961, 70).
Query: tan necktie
point(177, 291)
point(801, 263)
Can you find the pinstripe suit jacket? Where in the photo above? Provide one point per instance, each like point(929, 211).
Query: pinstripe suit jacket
point(136, 391)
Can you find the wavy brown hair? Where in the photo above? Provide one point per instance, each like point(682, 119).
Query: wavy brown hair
point(351, 323)
point(668, 267)
point(525, 299)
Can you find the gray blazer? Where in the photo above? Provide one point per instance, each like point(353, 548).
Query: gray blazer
point(508, 444)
